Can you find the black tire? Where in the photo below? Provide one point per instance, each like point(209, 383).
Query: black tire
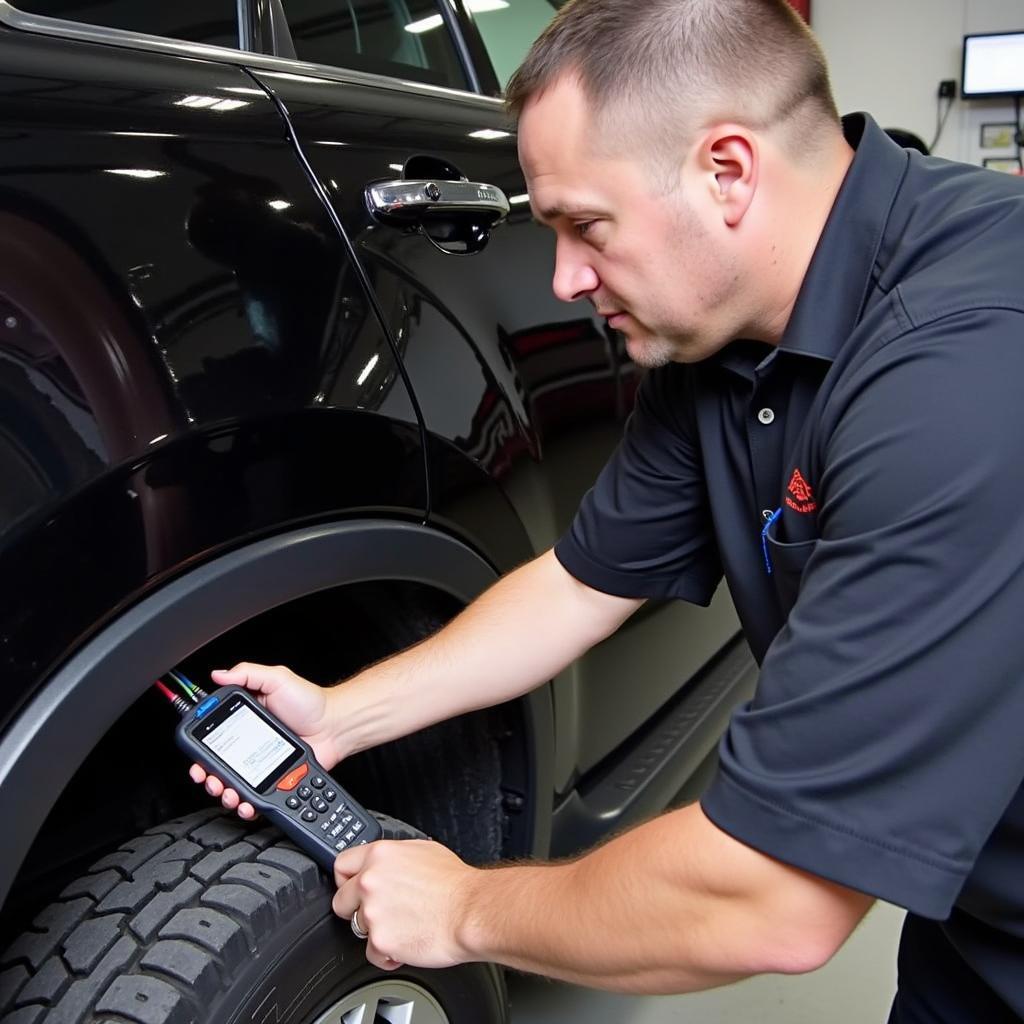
point(208, 919)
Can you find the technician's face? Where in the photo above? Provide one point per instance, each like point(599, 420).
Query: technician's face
point(645, 260)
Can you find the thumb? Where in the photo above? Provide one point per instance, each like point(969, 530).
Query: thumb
point(263, 679)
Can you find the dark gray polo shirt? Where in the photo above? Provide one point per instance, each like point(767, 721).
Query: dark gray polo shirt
point(884, 748)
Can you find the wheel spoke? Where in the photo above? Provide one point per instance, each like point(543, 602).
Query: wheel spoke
point(399, 1013)
point(386, 1002)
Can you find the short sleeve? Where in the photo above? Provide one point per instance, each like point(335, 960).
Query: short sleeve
point(644, 529)
point(883, 744)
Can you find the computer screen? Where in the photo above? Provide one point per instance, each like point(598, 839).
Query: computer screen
point(993, 65)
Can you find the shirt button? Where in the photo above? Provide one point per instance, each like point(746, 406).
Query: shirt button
point(766, 416)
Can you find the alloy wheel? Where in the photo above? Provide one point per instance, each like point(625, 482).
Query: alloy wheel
point(386, 1002)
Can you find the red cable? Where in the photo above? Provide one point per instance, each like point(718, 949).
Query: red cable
point(167, 693)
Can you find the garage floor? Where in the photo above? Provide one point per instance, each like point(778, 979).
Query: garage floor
point(855, 988)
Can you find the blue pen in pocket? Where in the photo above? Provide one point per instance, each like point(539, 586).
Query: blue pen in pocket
point(764, 538)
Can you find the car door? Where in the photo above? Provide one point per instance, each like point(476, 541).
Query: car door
point(512, 384)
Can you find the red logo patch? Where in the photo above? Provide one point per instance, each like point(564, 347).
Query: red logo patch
point(802, 499)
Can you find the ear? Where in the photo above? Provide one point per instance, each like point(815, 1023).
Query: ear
point(729, 154)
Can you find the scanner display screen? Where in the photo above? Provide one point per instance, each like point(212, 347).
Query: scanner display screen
point(249, 746)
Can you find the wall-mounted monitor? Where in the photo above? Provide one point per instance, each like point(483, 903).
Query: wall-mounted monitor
point(993, 65)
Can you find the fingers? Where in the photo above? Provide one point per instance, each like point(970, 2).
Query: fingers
point(230, 800)
point(349, 863)
point(347, 900)
point(380, 959)
point(228, 797)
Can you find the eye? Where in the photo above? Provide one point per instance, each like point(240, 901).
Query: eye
point(583, 227)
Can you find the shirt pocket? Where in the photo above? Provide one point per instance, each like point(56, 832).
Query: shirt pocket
point(787, 561)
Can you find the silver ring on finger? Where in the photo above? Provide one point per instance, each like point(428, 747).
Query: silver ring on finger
point(357, 931)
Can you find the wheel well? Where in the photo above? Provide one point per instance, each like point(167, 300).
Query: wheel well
point(458, 781)
point(462, 782)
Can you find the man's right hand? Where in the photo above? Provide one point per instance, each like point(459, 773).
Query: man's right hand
point(298, 703)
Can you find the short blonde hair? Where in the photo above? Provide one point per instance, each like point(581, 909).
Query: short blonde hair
point(662, 69)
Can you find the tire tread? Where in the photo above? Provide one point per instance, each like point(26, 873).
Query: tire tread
point(157, 931)
point(206, 887)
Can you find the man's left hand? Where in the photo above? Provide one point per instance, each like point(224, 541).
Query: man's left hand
point(411, 897)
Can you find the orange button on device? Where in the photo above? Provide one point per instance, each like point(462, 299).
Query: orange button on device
point(291, 780)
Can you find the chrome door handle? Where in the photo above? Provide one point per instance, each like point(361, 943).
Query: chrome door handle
point(412, 202)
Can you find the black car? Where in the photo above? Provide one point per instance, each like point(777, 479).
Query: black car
point(282, 379)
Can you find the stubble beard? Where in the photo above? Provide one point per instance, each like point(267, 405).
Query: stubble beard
point(651, 352)
point(689, 338)
point(646, 347)
point(697, 334)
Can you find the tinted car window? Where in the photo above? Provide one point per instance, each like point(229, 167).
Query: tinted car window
point(508, 28)
point(199, 21)
point(400, 38)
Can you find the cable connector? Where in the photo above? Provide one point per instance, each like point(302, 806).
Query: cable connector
point(196, 692)
point(180, 704)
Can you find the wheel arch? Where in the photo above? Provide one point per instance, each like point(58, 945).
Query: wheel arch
point(53, 733)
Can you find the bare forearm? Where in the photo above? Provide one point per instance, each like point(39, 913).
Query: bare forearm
point(608, 920)
point(651, 913)
point(517, 635)
point(566, 937)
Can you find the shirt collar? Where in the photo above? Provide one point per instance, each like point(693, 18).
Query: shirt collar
point(744, 357)
point(838, 280)
point(832, 297)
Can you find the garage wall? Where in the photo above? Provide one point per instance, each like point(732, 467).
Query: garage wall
point(888, 57)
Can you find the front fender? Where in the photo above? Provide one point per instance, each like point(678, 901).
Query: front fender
point(75, 707)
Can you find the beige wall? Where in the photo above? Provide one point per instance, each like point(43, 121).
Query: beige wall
point(888, 56)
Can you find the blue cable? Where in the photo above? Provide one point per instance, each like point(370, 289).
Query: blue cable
point(183, 681)
point(197, 692)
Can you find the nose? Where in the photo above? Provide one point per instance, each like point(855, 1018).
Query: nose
point(574, 277)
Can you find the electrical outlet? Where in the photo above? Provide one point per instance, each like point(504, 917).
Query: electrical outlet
point(947, 89)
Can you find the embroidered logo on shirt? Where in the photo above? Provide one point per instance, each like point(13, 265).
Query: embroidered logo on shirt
point(801, 491)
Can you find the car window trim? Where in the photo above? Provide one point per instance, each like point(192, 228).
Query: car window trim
point(275, 35)
point(451, 22)
point(476, 51)
point(102, 34)
point(264, 13)
point(249, 23)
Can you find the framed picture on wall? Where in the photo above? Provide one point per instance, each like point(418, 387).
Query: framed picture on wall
point(1006, 164)
point(998, 135)
point(803, 7)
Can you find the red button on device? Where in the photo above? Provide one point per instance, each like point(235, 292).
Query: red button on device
point(291, 780)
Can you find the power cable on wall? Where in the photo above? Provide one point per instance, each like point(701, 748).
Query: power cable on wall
point(1019, 132)
point(941, 119)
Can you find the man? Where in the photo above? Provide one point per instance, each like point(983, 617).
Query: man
point(835, 328)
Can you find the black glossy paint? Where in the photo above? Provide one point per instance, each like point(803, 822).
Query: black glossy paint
point(499, 366)
point(160, 336)
point(80, 564)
